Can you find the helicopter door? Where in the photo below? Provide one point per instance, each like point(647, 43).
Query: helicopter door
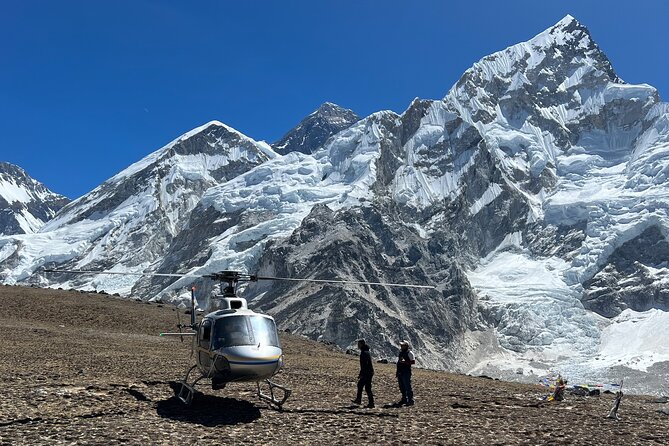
point(204, 342)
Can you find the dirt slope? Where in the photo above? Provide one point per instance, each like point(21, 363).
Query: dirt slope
point(88, 369)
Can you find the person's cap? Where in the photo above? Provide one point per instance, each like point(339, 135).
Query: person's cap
point(361, 340)
point(403, 343)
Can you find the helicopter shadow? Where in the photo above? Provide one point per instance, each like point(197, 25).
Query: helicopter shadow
point(208, 410)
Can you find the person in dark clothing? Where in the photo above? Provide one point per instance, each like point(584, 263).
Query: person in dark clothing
point(405, 360)
point(365, 375)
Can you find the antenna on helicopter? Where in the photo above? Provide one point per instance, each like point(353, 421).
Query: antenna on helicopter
point(192, 308)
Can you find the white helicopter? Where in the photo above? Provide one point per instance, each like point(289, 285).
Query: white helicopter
point(232, 343)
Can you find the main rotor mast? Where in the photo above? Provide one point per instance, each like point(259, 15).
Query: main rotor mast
point(232, 279)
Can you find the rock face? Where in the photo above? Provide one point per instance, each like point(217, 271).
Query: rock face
point(315, 129)
point(532, 196)
point(361, 244)
point(634, 277)
point(25, 204)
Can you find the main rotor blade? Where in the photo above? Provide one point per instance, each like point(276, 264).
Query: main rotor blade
point(218, 276)
point(347, 282)
point(81, 271)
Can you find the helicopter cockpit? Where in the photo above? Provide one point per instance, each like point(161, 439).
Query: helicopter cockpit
point(241, 329)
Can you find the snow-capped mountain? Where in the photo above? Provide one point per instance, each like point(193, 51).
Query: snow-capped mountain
point(127, 223)
point(315, 129)
point(545, 288)
point(25, 204)
point(569, 135)
point(533, 196)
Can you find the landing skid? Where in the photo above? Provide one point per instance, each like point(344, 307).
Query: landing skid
point(187, 391)
point(273, 400)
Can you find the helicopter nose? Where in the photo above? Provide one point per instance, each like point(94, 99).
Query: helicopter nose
point(221, 364)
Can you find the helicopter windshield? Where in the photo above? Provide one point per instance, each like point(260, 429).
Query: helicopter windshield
point(232, 331)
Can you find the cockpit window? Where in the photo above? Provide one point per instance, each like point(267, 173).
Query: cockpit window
point(245, 330)
point(264, 331)
point(232, 330)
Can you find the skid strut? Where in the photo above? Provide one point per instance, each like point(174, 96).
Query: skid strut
point(272, 399)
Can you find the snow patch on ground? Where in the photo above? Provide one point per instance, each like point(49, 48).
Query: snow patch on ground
point(635, 339)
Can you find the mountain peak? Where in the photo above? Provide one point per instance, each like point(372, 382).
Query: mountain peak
point(566, 21)
point(316, 128)
point(329, 105)
point(204, 127)
point(565, 32)
point(13, 169)
point(25, 203)
point(332, 109)
point(553, 59)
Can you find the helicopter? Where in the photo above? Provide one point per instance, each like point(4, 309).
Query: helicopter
point(232, 343)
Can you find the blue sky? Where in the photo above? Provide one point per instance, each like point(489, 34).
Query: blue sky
point(89, 87)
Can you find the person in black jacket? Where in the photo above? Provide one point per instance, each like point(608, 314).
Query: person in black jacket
point(405, 360)
point(365, 375)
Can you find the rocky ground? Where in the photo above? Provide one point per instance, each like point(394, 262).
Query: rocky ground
point(81, 368)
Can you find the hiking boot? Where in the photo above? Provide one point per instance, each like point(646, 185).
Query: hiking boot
point(401, 402)
point(370, 406)
point(410, 403)
point(358, 402)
